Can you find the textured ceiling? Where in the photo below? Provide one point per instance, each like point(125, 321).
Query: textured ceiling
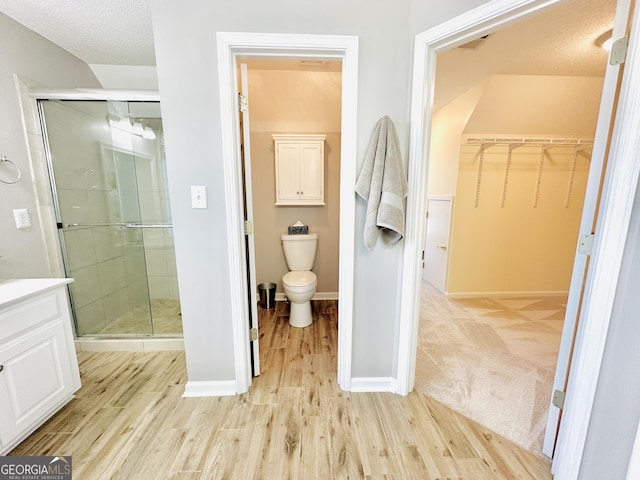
point(559, 41)
point(119, 32)
point(116, 32)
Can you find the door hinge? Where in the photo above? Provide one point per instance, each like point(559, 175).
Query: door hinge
point(243, 103)
point(253, 333)
point(248, 227)
point(585, 244)
point(619, 51)
point(558, 399)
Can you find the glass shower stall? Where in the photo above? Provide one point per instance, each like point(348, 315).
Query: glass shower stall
point(107, 170)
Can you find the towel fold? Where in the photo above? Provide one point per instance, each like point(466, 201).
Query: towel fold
point(382, 184)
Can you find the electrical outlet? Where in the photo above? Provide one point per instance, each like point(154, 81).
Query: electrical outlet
point(21, 216)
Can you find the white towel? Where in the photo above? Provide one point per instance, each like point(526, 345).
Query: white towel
point(383, 185)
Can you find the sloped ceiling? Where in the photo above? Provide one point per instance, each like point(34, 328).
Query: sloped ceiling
point(559, 41)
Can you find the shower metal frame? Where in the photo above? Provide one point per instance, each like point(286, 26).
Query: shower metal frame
point(39, 95)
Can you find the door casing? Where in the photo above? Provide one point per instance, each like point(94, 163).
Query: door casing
point(613, 220)
point(341, 47)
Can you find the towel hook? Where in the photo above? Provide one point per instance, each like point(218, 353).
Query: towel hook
point(4, 159)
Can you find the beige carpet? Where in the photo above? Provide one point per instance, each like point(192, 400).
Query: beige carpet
point(491, 359)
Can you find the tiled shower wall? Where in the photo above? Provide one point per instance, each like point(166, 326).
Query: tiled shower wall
point(97, 183)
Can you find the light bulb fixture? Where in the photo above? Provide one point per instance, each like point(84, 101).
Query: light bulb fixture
point(137, 129)
point(605, 40)
point(148, 134)
point(134, 129)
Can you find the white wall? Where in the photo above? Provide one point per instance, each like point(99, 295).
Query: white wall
point(23, 52)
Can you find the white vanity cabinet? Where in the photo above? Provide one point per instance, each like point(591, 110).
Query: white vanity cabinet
point(39, 369)
point(299, 162)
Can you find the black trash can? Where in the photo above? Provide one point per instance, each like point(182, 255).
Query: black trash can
point(267, 294)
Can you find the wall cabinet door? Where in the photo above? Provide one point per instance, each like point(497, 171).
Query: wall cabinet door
point(299, 168)
point(312, 172)
point(34, 378)
point(287, 172)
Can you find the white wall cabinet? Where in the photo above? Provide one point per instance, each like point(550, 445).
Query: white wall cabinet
point(299, 165)
point(39, 369)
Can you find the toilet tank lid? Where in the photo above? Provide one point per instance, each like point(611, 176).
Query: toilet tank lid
point(301, 236)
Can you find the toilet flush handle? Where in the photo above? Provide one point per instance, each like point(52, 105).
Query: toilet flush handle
point(441, 247)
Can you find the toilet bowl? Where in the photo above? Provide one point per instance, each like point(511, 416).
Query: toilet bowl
point(300, 283)
point(299, 287)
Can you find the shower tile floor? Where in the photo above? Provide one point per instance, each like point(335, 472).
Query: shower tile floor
point(166, 315)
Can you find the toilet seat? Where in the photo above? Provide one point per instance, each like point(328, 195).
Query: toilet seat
point(299, 279)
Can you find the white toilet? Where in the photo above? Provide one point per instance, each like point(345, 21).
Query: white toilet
point(300, 283)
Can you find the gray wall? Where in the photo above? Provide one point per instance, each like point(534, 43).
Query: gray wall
point(616, 410)
point(187, 73)
point(23, 52)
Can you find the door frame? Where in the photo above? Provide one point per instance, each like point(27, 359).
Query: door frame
point(340, 47)
point(457, 31)
point(619, 193)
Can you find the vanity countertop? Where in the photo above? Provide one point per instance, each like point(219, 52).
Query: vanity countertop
point(14, 290)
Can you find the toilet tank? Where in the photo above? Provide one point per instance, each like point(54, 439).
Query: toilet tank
point(299, 250)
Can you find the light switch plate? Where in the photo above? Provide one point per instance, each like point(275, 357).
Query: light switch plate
point(198, 196)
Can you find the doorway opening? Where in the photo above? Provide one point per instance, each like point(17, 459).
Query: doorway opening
point(298, 100)
point(342, 48)
point(456, 32)
point(519, 203)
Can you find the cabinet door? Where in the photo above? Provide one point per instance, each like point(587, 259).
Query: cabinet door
point(287, 172)
point(34, 378)
point(312, 172)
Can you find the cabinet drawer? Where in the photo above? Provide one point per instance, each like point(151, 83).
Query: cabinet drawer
point(29, 314)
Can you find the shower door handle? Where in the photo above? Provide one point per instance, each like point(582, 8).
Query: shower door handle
point(140, 225)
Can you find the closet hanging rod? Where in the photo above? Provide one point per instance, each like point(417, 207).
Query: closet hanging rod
point(520, 141)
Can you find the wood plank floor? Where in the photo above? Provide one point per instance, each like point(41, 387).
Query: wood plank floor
point(129, 421)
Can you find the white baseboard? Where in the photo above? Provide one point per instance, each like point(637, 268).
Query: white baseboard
point(506, 294)
point(210, 389)
point(128, 345)
point(280, 297)
point(325, 296)
point(373, 384)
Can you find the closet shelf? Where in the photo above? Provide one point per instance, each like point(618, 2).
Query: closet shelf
point(514, 142)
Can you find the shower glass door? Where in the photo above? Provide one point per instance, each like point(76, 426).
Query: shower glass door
point(108, 176)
